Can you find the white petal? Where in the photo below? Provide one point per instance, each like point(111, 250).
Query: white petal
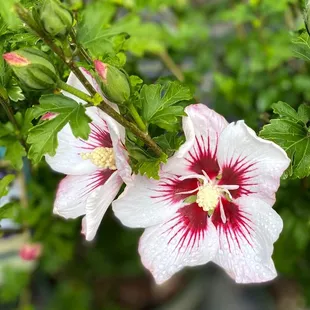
point(118, 135)
point(246, 241)
point(74, 190)
point(181, 241)
point(68, 158)
point(202, 127)
point(259, 163)
point(97, 204)
point(148, 202)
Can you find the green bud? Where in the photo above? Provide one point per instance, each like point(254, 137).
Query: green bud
point(114, 82)
point(55, 18)
point(32, 68)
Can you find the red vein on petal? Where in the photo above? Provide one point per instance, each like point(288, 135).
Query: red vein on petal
point(191, 223)
point(202, 158)
point(237, 174)
point(171, 189)
point(238, 225)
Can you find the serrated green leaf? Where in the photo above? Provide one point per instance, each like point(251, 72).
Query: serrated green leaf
point(169, 142)
point(169, 118)
point(285, 110)
point(291, 133)
point(304, 113)
point(4, 183)
point(156, 99)
point(43, 137)
point(151, 168)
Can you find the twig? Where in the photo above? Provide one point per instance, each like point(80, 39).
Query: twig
point(171, 65)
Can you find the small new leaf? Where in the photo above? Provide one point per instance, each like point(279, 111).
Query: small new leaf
point(290, 131)
point(158, 104)
point(43, 137)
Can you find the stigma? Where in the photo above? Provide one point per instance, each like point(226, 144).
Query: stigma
point(102, 157)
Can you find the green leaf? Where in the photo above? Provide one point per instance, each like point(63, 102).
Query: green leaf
point(8, 210)
point(14, 151)
point(291, 133)
point(97, 34)
point(8, 13)
point(5, 129)
point(157, 101)
point(43, 137)
point(169, 118)
point(285, 110)
point(144, 37)
point(301, 46)
point(15, 93)
point(141, 160)
point(4, 183)
point(169, 142)
point(304, 113)
point(150, 168)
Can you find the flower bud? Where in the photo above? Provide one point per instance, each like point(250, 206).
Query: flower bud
point(114, 82)
point(30, 251)
point(55, 18)
point(33, 68)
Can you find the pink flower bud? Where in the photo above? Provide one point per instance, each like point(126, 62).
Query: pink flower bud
point(48, 116)
point(33, 68)
point(114, 82)
point(13, 59)
point(101, 69)
point(30, 251)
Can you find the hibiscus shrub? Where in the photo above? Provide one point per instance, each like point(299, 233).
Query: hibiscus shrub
point(107, 93)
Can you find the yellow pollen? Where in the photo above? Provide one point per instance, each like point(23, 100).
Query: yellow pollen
point(208, 197)
point(102, 157)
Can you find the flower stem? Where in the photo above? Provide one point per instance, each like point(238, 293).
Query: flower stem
point(172, 66)
point(74, 91)
point(133, 128)
point(135, 115)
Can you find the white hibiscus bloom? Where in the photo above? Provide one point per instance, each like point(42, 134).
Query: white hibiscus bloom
point(95, 168)
point(213, 202)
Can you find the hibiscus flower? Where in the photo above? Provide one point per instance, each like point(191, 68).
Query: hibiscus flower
point(95, 168)
point(213, 202)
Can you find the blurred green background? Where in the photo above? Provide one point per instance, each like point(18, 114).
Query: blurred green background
point(238, 58)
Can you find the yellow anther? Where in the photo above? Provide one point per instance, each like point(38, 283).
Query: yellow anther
point(102, 157)
point(208, 197)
